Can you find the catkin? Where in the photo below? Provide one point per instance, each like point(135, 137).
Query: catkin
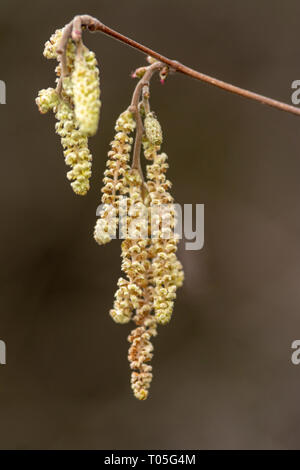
point(76, 105)
point(47, 99)
point(136, 255)
point(115, 183)
point(152, 272)
point(167, 269)
point(86, 89)
point(75, 146)
point(153, 129)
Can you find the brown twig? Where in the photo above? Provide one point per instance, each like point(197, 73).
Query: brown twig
point(71, 30)
point(145, 97)
point(95, 25)
point(62, 48)
point(76, 29)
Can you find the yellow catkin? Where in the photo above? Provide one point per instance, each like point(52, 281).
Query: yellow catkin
point(152, 271)
point(167, 270)
point(47, 99)
point(51, 45)
point(153, 129)
point(75, 146)
point(50, 52)
point(130, 289)
point(141, 349)
point(136, 264)
point(76, 107)
point(140, 353)
point(115, 184)
point(86, 89)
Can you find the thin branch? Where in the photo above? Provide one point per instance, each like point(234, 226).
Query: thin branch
point(95, 25)
point(62, 48)
point(145, 97)
point(134, 108)
point(76, 29)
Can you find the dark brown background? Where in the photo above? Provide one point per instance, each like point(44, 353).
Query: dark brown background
point(223, 374)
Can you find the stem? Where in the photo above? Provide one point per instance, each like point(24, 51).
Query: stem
point(76, 29)
point(62, 48)
point(71, 30)
point(95, 25)
point(146, 96)
point(134, 108)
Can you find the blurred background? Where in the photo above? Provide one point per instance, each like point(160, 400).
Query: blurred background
point(223, 376)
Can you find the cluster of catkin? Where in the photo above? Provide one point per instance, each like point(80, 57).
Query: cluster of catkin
point(152, 271)
point(76, 105)
point(143, 211)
